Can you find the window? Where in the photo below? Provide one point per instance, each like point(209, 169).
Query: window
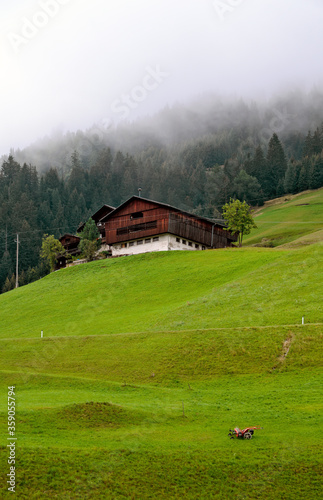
point(178, 240)
point(124, 245)
point(197, 246)
point(148, 240)
point(184, 242)
point(190, 244)
point(137, 227)
point(136, 215)
point(203, 248)
point(156, 238)
point(131, 244)
point(139, 242)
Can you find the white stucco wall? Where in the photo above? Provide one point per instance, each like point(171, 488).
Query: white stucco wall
point(165, 242)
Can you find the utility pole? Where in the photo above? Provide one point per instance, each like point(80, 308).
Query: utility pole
point(17, 261)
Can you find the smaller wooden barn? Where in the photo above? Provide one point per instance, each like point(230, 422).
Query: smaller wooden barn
point(70, 243)
point(140, 225)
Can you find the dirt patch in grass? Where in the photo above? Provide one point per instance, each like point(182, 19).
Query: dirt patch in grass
point(285, 350)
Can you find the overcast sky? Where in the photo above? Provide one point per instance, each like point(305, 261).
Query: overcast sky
point(69, 63)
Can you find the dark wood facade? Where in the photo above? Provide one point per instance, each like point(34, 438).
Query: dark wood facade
point(140, 218)
point(70, 243)
point(99, 214)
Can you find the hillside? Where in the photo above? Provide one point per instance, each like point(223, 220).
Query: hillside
point(147, 361)
point(172, 291)
point(292, 217)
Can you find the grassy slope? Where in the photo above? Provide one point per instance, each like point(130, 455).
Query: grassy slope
point(100, 412)
point(284, 220)
point(103, 417)
point(179, 290)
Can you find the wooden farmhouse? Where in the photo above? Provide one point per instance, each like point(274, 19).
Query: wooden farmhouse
point(140, 225)
point(70, 243)
point(99, 214)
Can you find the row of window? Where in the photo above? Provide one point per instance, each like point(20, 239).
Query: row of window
point(140, 242)
point(137, 227)
point(189, 243)
point(156, 238)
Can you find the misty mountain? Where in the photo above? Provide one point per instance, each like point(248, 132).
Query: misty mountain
point(209, 118)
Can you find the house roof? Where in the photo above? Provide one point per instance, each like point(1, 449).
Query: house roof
point(69, 236)
point(97, 216)
point(102, 209)
point(164, 205)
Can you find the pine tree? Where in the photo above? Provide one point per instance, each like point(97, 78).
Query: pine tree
point(197, 183)
point(90, 242)
point(290, 180)
point(247, 188)
point(308, 148)
point(10, 284)
point(10, 169)
point(316, 172)
point(6, 268)
point(276, 166)
point(51, 179)
point(60, 224)
point(316, 142)
point(302, 184)
point(258, 165)
point(77, 179)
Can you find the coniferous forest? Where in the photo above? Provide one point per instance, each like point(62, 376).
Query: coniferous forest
point(194, 158)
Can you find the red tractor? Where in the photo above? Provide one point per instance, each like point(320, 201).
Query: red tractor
point(246, 433)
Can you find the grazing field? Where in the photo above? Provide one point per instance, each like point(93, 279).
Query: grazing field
point(148, 361)
point(287, 219)
point(172, 291)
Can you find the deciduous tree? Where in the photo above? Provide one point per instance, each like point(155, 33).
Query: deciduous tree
point(238, 217)
point(51, 249)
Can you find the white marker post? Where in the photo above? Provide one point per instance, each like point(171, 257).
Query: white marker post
point(41, 335)
point(303, 320)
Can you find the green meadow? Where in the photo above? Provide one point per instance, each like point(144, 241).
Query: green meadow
point(176, 291)
point(148, 361)
point(287, 219)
